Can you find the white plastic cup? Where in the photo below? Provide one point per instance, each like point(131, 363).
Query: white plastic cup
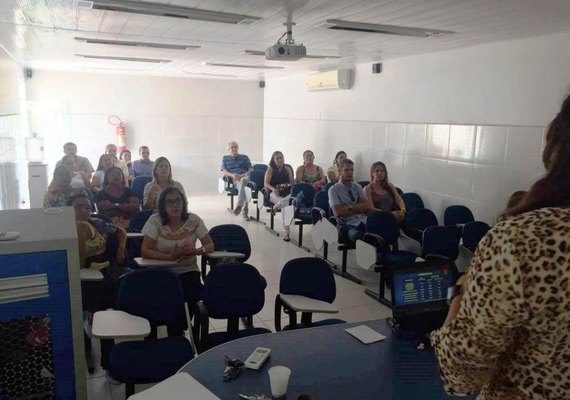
point(279, 380)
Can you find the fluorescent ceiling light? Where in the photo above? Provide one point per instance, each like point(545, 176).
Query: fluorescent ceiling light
point(135, 59)
point(166, 10)
point(338, 24)
point(206, 74)
point(262, 53)
point(136, 44)
point(242, 66)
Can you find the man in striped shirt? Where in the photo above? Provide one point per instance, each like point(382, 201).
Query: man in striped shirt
point(237, 167)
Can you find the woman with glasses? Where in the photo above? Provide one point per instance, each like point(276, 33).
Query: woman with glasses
point(172, 233)
point(278, 179)
point(382, 195)
point(310, 173)
point(162, 179)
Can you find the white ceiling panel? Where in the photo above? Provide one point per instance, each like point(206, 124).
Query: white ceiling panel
point(39, 33)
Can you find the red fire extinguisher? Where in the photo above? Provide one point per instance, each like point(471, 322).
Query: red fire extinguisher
point(121, 134)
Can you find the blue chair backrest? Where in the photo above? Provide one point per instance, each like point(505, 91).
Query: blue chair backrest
point(257, 176)
point(154, 293)
point(260, 167)
point(473, 232)
point(307, 190)
point(400, 192)
point(385, 225)
point(137, 221)
point(412, 201)
point(328, 186)
point(455, 215)
point(321, 200)
point(234, 290)
point(231, 237)
point(138, 185)
point(420, 218)
point(308, 276)
point(363, 183)
point(442, 241)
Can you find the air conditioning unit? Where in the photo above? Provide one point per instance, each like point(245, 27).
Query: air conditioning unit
point(335, 79)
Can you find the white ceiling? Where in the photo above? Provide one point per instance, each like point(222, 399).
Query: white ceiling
point(39, 33)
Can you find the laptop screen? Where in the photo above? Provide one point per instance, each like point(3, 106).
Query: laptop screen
point(422, 287)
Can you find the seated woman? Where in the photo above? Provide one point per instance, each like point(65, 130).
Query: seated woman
point(278, 179)
point(382, 195)
point(105, 162)
point(125, 156)
point(162, 179)
point(101, 247)
point(171, 234)
point(310, 173)
point(60, 189)
point(116, 200)
point(333, 173)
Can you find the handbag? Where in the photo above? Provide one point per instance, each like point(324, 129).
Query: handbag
point(284, 189)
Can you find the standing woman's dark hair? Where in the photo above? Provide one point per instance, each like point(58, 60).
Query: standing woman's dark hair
point(272, 163)
point(554, 189)
point(335, 161)
point(162, 205)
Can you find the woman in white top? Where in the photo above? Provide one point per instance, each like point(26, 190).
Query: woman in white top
point(105, 162)
point(171, 234)
point(333, 173)
point(162, 179)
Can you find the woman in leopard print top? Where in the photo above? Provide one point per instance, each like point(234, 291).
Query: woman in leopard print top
point(508, 334)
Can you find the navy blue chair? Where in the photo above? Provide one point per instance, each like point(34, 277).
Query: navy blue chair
point(400, 192)
point(138, 184)
point(154, 294)
point(231, 191)
point(138, 219)
point(231, 291)
point(136, 224)
point(256, 182)
point(417, 220)
point(457, 216)
point(313, 279)
point(260, 167)
point(227, 237)
point(383, 232)
point(412, 201)
point(442, 241)
point(302, 195)
point(363, 183)
point(328, 186)
point(473, 232)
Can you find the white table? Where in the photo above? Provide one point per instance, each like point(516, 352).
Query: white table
point(150, 262)
point(115, 324)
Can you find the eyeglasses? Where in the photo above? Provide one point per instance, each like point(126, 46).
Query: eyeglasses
point(177, 202)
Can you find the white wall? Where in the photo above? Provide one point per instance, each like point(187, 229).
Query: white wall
point(459, 127)
point(13, 171)
point(189, 121)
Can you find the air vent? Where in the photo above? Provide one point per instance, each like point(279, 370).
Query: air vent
point(337, 24)
point(212, 64)
point(166, 10)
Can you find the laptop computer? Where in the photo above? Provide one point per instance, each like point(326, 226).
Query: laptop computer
point(419, 294)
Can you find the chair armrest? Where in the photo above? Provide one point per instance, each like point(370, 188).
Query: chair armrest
point(135, 235)
point(252, 186)
point(201, 324)
point(375, 240)
point(90, 275)
point(306, 304)
point(277, 315)
point(116, 324)
point(317, 214)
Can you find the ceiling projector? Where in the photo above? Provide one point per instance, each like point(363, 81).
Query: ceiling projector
point(285, 52)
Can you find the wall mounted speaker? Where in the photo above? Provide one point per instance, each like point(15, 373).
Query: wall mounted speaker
point(376, 68)
point(28, 72)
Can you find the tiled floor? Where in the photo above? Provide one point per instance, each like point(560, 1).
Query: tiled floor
point(269, 254)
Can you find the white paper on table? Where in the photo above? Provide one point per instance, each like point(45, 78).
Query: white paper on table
point(365, 334)
point(178, 387)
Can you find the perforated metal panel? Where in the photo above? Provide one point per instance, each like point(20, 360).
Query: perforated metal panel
point(26, 367)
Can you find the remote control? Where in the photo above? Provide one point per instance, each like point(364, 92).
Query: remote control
point(257, 358)
point(9, 235)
